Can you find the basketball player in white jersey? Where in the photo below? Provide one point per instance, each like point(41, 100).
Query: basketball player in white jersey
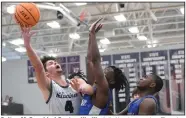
point(58, 95)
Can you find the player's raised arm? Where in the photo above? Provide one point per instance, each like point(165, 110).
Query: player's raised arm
point(101, 82)
point(42, 80)
point(90, 73)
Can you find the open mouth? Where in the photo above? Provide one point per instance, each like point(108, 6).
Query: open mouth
point(57, 67)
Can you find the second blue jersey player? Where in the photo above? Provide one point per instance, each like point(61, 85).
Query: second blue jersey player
point(96, 92)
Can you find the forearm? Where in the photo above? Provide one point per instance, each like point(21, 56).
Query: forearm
point(34, 59)
point(90, 75)
point(86, 89)
point(42, 80)
point(96, 57)
point(96, 62)
point(89, 54)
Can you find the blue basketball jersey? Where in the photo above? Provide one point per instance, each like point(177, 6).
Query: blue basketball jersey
point(133, 108)
point(87, 106)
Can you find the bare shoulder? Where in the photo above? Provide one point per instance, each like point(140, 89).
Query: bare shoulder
point(148, 102)
point(147, 107)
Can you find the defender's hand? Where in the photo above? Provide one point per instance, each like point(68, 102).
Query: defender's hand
point(94, 27)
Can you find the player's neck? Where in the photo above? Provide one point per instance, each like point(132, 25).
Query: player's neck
point(56, 76)
point(145, 93)
point(59, 80)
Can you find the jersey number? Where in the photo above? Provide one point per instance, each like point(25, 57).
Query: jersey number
point(69, 107)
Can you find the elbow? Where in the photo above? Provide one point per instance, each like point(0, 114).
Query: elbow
point(93, 62)
point(89, 56)
point(96, 60)
point(89, 61)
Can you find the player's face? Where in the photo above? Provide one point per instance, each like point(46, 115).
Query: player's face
point(109, 74)
point(135, 96)
point(146, 82)
point(53, 67)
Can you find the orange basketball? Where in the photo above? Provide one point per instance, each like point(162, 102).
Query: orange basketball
point(27, 14)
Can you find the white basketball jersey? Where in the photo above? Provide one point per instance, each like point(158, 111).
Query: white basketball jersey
point(63, 100)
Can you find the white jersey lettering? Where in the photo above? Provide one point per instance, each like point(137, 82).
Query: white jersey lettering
point(63, 100)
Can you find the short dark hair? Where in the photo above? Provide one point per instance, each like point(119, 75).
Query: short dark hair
point(80, 74)
point(158, 81)
point(120, 78)
point(135, 91)
point(44, 59)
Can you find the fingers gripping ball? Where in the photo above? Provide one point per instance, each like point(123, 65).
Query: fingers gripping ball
point(27, 14)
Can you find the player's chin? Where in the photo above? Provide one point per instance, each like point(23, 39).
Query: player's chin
point(59, 70)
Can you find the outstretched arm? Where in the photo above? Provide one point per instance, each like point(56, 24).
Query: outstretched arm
point(90, 75)
point(81, 86)
point(42, 80)
point(102, 84)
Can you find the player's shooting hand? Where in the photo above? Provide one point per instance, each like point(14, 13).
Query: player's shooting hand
point(26, 34)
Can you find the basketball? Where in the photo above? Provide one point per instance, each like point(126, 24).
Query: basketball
point(27, 14)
